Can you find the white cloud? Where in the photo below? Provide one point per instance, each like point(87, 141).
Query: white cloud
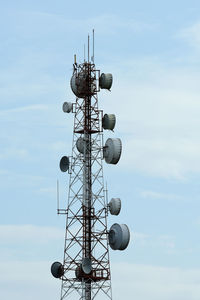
point(21, 180)
point(150, 241)
point(17, 153)
point(157, 109)
point(33, 280)
point(24, 109)
point(160, 196)
point(191, 34)
point(27, 280)
point(157, 119)
point(48, 23)
point(128, 279)
point(42, 235)
point(29, 233)
point(154, 282)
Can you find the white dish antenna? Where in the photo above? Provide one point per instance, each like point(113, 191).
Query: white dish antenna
point(112, 151)
point(80, 145)
point(105, 81)
point(114, 206)
point(119, 236)
point(67, 107)
point(108, 121)
point(77, 84)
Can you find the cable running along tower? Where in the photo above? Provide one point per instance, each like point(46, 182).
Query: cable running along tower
point(85, 271)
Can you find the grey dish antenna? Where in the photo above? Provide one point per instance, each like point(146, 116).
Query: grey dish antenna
point(112, 150)
point(77, 84)
point(119, 236)
point(83, 269)
point(67, 107)
point(80, 145)
point(86, 265)
point(105, 81)
point(57, 269)
point(64, 164)
point(114, 206)
point(108, 121)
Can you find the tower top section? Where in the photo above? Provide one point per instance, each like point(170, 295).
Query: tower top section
point(86, 81)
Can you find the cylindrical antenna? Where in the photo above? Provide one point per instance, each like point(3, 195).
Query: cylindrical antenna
point(93, 45)
point(88, 48)
point(84, 52)
point(75, 58)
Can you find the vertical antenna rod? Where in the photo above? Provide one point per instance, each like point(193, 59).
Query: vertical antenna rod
point(84, 52)
point(93, 45)
point(88, 48)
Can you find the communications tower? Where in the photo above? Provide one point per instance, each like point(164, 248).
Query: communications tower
point(85, 270)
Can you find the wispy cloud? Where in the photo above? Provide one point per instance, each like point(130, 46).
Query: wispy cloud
point(24, 108)
point(48, 23)
point(160, 196)
point(158, 118)
point(154, 282)
point(166, 242)
point(191, 35)
point(27, 278)
point(29, 234)
point(128, 280)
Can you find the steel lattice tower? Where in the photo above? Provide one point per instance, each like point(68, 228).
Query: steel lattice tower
point(85, 271)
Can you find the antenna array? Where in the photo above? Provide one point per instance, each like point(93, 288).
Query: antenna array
point(85, 271)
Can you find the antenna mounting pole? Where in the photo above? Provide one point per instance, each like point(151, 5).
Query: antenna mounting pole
point(88, 48)
point(93, 45)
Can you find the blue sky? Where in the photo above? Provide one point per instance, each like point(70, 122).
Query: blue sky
point(153, 50)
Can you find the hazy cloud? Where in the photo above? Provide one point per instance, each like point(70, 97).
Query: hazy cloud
point(128, 281)
point(191, 35)
point(158, 118)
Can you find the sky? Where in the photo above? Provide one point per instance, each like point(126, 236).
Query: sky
point(152, 48)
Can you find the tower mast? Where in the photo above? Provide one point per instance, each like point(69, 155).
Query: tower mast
point(86, 267)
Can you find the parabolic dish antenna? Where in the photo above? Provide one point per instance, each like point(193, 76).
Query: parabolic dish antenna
point(64, 164)
point(112, 151)
point(78, 85)
point(80, 145)
point(105, 81)
point(114, 206)
point(86, 265)
point(57, 269)
point(119, 236)
point(108, 121)
point(67, 107)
